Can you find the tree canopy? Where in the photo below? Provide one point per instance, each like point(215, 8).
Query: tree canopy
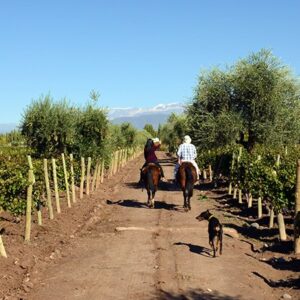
point(257, 100)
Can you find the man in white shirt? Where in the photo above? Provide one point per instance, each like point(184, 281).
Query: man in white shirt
point(186, 152)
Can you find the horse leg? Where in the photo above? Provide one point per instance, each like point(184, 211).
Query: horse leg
point(185, 205)
point(153, 201)
point(149, 198)
point(189, 203)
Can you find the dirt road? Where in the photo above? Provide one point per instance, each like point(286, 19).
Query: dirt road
point(163, 253)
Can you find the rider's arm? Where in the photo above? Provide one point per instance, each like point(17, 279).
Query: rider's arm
point(195, 152)
point(179, 152)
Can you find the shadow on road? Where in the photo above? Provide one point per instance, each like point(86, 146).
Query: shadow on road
point(293, 283)
point(137, 204)
point(194, 295)
point(196, 249)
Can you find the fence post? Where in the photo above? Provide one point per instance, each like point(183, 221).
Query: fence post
point(72, 179)
point(297, 212)
point(39, 214)
point(240, 196)
point(2, 249)
point(48, 190)
point(57, 200)
point(31, 181)
point(259, 208)
point(82, 177)
point(88, 176)
point(102, 171)
point(95, 174)
point(66, 179)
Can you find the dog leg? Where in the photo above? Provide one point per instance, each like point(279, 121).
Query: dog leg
point(221, 240)
point(214, 248)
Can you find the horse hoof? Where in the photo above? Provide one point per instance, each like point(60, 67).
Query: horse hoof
point(186, 209)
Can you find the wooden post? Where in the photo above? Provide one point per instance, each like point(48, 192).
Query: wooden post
point(297, 212)
point(39, 214)
point(2, 249)
point(82, 177)
point(240, 196)
point(95, 176)
point(271, 220)
point(66, 179)
point(112, 164)
point(210, 173)
point(57, 200)
point(48, 190)
point(116, 162)
point(98, 177)
point(72, 179)
point(31, 181)
point(278, 161)
point(102, 171)
point(250, 200)
point(235, 189)
point(259, 208)
point(88, 176)
point(281, 226)
point(230, 188)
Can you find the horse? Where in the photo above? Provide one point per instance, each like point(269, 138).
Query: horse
point(186, 177)
point(151, 175)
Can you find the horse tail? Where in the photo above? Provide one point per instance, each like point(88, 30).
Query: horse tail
point(150, 181)
point(189, 182)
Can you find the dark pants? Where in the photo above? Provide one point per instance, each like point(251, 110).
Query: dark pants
point(156, 163)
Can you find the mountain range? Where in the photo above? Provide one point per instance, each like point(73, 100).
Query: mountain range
point(138, 117)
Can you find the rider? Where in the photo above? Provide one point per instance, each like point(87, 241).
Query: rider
point(149, 153)
point(186, 152)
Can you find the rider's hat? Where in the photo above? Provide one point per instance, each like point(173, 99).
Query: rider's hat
point(156, 141)
point(187, 139)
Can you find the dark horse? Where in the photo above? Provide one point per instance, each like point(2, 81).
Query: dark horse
point(186, 177)
point(151, 175)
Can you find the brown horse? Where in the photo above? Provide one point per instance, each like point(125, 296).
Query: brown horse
point(186, 177)
point(151, 175)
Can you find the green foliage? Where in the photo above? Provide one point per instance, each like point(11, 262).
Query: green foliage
point(13, 138)
point(149, 128)
point(49, 128)
point(173, 131)
point(91, 131)
point(259, 175)
point(14, 182)
point(256, 101)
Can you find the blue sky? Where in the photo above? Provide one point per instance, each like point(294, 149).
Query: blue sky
point(134, 53)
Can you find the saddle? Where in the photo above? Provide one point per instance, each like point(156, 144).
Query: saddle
point(148, 165)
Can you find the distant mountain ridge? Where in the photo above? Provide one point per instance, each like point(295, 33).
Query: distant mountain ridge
point(140, 121)
point(138, 117)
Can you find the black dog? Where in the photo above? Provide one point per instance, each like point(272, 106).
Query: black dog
point(215, 230)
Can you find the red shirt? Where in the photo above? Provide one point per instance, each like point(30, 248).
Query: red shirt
point(150, 156)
